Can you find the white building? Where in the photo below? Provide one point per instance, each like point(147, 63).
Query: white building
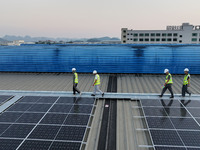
point(184, 34)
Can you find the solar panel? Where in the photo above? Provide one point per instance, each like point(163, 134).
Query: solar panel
point(71, 133)
point(75, 119)
point(173, 125)
point(190, 103)
point(4, 98)
point(37, 122)
point(53, 119)
point(60, 108)
point(10, 116)
point(150, 111)
point(44, 132)
point(17, 131)
point(30, 117)
point(20, 107)
point(185, 123)
point(190, 138)
point(169, 148)
point(29, 99)
point(159, 122)
point(35, 145)
point(65, 145)
point(166, 137)
point(9, 144)
point(3, 127)
point(194, 111)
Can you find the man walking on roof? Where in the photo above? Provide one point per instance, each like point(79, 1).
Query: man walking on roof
point(186, 83)
point(75, 82)
point(168, 84)
point(96, 84)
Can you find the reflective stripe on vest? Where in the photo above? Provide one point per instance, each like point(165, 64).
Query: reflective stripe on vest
point(98, 80)
point(76, 78)
point(185, 80)
point(170, 80)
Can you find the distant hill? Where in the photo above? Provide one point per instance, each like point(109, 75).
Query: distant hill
point(35, 39)
point(3, 40)
point(102, 39)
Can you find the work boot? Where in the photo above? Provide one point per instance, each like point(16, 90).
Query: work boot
point(92, 94)
point(102, 94)
point(160, 95)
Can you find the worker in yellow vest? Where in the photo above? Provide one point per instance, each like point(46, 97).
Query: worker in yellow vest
point(96, 84)
point(168, 84)
point(75, 82)
point(186, 83)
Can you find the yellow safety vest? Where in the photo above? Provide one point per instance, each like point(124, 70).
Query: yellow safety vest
point(185, 80)
point(170, 81)
point(98, 80)
point(76, 78)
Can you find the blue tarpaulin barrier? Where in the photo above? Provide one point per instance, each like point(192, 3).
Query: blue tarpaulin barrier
point(103, 58)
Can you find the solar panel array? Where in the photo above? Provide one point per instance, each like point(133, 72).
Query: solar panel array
point(173, 124)
point(4, 98)
point(36, 122)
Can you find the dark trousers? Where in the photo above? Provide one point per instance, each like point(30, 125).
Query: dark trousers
point(169, 87)
point(75, 89)
point(185, 90)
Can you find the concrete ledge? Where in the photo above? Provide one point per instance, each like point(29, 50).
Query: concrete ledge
point(131, 96)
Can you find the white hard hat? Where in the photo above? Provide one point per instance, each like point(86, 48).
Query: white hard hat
point(94, 72)
point(186, 69)
point(166, 70)
point(73, 69)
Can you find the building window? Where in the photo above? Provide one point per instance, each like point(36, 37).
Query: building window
point(157, 40)
point(152, 34)
point(146, 34)
point(131, 33)
point(180, 41)
point(146, 40)
point(141, 34)
point(163, 40)
point(127, 33)
point(194, 34)
point(135, 40)
point(124, 36)
point(152, 40)
point(194, 39)
point(131, 39)
point(141, 40)
point(181, 36)
point(124, 31)
point(199, 40)
point(124, 41)
point(135, 35)
point(164, 34)
point(169, 34)
point(128, 39)
point(157, 34)
point(175, 34)
point(175, 39)
point(169, 40)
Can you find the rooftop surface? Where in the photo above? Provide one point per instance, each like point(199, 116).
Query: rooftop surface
point(129, 116)
point(126, 83)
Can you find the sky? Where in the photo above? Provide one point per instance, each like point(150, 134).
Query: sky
point(92, 18)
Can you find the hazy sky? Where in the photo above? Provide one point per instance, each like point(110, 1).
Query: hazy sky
point(92, 18)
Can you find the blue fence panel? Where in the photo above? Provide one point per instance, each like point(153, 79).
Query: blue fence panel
point(103, 58)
